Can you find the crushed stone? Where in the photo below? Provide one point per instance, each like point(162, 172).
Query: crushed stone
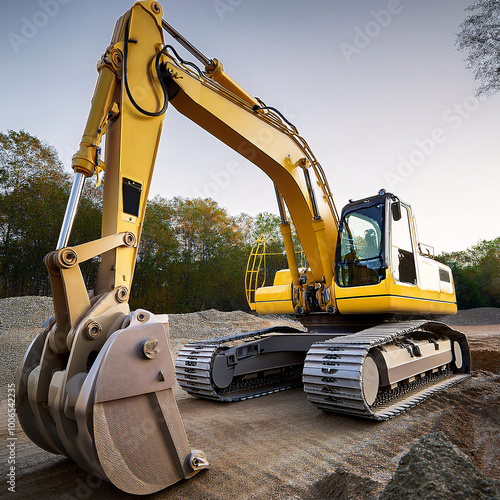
point(477, 316)
point(435, 469)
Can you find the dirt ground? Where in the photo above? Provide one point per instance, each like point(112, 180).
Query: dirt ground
point(281, 447)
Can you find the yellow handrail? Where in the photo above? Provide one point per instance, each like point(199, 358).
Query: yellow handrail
point(256, 258)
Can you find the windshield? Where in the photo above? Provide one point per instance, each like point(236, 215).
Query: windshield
point(360, 260)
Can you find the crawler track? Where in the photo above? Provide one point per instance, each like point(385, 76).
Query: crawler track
point(194, 365)
point(333, 371)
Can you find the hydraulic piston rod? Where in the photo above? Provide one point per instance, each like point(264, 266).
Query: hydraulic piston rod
point(69, 216)
point(186, 44)
point(214, 69)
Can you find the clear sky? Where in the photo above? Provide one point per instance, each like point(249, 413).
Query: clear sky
point(375, 86)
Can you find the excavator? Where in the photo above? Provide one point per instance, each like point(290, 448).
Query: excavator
point(96, 384)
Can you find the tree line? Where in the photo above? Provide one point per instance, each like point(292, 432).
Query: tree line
point(193, 253)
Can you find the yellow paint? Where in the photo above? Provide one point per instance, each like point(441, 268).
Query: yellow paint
point(276, 299)
point(389, 296)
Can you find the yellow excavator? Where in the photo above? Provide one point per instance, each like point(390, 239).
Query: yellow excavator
point(96, 384)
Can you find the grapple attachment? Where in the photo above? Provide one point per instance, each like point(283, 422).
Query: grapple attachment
point(107, 401)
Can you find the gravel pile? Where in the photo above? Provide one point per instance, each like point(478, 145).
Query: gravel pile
point(435, 468)
point(342, 485)
point(478, 316)
point(28, 313)
point(33, 311)
point(213, 323)
point(21, 320)
point(25, 312)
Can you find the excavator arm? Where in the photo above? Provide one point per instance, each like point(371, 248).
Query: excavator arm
point(138, 77)
point(265, 138)
point(96, 384)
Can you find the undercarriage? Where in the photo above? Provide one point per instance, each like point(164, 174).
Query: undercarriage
point(376, 373)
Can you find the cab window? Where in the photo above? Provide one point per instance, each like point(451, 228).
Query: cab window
point(361, 261)
point(402, 253)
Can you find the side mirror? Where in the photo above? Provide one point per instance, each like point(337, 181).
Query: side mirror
point(396, 210)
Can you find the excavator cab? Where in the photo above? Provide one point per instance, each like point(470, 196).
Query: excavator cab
point(379, 270)
point(379, 267)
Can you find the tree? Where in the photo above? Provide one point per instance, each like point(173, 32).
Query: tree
point(34, 190)
point(479, 36)
point(31, 191)
point(211, 255)
point(154, 276)
point(24, 159)
point(192, 257)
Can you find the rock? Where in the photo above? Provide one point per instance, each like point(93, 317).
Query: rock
point(435, 469)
